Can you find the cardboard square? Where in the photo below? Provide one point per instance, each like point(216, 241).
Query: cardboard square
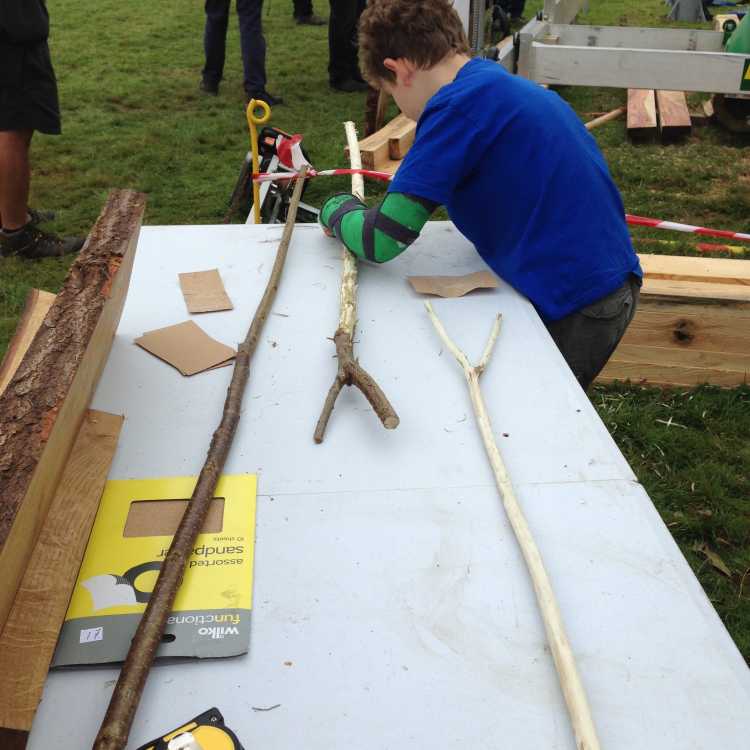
point(453, 286)
point(204, 291)
point(187, 347)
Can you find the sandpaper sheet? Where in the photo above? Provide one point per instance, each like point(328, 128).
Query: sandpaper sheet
point(453, 286)
point(204, 291)
point(187, 347)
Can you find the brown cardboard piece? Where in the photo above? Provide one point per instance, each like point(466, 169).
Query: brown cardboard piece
point(453, 286)
point(187, 347)
point(204, 291)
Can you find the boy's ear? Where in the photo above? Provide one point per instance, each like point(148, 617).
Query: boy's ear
point(401, 68)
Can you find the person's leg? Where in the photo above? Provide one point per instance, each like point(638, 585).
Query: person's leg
point(214, 43)
point(19, 234)
point(15, 178)
point(588, 337)
point(342, 52)
point(253, 45)
point(302, 8)
point(303, 14)
point(354, 71)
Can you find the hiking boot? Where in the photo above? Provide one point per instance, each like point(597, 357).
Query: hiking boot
point(40, 217)
point(311, 20)
point(31, 243)
point(349, 85)
point(264, 96)
point(208, 87)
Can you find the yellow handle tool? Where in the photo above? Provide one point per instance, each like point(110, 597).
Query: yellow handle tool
point(254, 119)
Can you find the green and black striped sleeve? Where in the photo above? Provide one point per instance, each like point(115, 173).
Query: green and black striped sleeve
point(380, 233)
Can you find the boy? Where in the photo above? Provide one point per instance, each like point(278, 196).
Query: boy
point(520, 176)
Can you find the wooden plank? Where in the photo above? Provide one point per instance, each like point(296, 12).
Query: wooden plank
point(736, 362)
point(641, 113)
point(42, 409)
point(667, 375)
point(37, 305)
point(714, 328)
point(674, 115)
point(375, 148)
point(698, 291)
point(692, 269)
point(42, 598)
point(402, 137)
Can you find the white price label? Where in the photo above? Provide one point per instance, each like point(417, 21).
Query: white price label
point(89, 635)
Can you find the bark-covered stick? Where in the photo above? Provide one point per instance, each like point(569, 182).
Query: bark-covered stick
point(562, 653)
point(349, 371)
point(114, 731)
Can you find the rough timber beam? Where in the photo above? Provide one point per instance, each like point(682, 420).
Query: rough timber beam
point(43, 405)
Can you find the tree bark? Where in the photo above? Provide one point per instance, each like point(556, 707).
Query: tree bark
point(44, 403)
point(114, 731)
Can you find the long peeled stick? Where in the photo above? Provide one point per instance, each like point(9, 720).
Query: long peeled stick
point(349, 371)
point(114, 731)
point(570, 681)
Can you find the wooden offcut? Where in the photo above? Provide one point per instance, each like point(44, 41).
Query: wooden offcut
point(606, 117)
point(35, 309)
point(674, 115)
point(375, 149)
point(46, 587)
point(641, 120)
point(43, 405)
point(691, 326)
point(402, 137)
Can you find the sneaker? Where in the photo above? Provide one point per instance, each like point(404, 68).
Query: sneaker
point(269, 99)
point(311, 20)
point(349, 85)
point(212, 89)
point(31, 243)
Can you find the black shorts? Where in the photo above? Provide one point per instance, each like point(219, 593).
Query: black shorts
point(28, 89)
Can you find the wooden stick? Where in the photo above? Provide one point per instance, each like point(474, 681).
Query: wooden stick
point(570, 681)
point(349, 371)
point(597, 121)
point(113, 734)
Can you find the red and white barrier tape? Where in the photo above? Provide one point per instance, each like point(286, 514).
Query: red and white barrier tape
point(640, 221)
point(274, 176)
point(643, 221)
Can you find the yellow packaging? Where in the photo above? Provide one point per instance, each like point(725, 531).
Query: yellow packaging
point(129, 541)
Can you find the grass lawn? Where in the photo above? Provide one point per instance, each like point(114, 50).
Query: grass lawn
point(133, 117)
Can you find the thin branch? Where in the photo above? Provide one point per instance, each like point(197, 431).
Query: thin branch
point(570, 681)
point(487, 353)
point(349, 371)
point(114, 731)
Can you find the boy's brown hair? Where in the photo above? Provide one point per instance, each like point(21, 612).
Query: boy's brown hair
point(421, 31)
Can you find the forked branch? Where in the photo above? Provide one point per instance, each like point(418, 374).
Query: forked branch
point(570, 681)
point(349, 371)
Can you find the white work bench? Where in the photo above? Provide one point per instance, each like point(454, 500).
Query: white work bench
point(392, 608)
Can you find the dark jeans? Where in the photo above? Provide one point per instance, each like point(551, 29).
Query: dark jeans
point(588, 337)
point(303, 8)
point(252, 43)
point(342, 39)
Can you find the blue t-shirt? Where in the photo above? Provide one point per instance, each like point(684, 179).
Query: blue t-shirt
point(525, 182)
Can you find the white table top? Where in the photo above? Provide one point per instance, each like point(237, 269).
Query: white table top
point(386, 572)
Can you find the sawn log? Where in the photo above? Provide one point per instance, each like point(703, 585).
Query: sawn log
point(43, 405)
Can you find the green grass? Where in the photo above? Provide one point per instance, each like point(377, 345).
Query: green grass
point(133, 117)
